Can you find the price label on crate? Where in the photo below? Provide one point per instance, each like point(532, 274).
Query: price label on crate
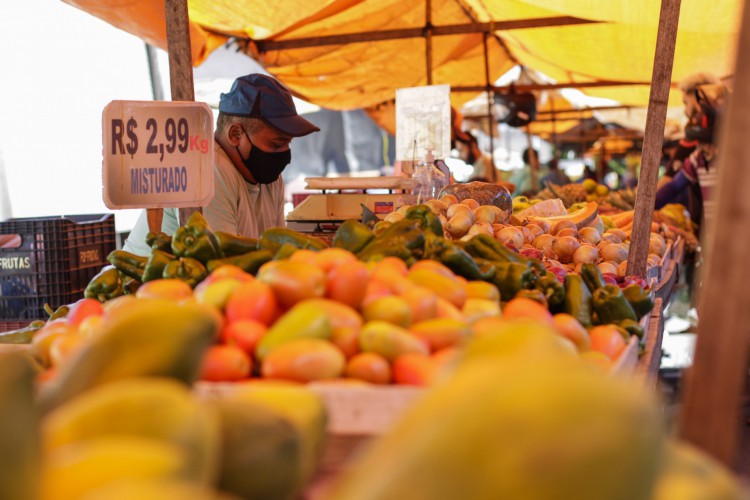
point(157, 154)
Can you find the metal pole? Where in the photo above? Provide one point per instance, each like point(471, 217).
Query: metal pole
point(157, 90)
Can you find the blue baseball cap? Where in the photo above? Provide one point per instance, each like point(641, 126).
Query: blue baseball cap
point(260, 96)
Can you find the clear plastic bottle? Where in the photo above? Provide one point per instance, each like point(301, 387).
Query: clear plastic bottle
point(428, 179)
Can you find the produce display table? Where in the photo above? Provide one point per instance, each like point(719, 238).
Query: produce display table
point(649, 361)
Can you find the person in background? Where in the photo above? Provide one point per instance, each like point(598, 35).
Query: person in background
point(470, 153)
point(521, 178)
point(256, 124)
point(554, 175)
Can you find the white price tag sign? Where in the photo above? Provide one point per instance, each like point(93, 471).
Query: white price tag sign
point(157, 154)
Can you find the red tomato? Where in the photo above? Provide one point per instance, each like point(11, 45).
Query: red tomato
point(83, 309)
point(252, 300)
point(244, 333)
point(225, 363)
point(347, 283)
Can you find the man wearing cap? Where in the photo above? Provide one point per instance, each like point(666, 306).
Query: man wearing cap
point(256, 123)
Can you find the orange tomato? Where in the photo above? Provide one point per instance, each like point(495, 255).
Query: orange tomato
point(331, 258)
point(434, 266)
point(244, 333)
point(228, 271)
point(225, 363)
point(522, 307)
point(608, 340)
point(83, 309)
point(482, 290)
point(370, 367)
point(172, 289)
point(422, 302)
point(304, 360)
point(414, 369)
point(252, 300)
point(347, 283)
point(569, 327)
point(292, 282)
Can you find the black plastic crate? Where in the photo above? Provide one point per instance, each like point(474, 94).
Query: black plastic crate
point(50, 260)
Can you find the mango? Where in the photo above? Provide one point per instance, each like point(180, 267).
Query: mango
point(390, 341)
point(346, 323)
point(449, 289)
point(482, 290)
point(72, 471)
point(391, 308)
point(476, 309)
point(304, 360)
point(414, 369)
point(260, 452)
point(518, 430)
point(292, 281)
point(441, 333)
point(156, 489)
point(146, 407)
point(302, 321)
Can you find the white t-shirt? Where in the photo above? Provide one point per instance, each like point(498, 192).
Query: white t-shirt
point(238, 207)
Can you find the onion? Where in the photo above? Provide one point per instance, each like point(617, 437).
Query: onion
point(603, 244)
point(449, 199)
point(611, 237)
point(615, 253)
point(565, 247)
point(481, 228)
point(496, 228)
point(622, 268)
point(470, 202)
point(510, 235)
point(528, 236)
point(535, 229)
point(563, 224)
point(586, 254)
point(656, 244)
point(485, 213)
point(653, 259)
point(608, 267)
point(460, 209)
point(394, 217)
point(531, 253)
point(590, 235)
point(542, 224)
point(617, 232)
point(437, 206)
point(568, 231)
point(543, 242)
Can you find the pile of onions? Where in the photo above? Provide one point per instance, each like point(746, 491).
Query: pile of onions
point(565, 247)
point(586, 254)
point(510, 235)
point(615, 253)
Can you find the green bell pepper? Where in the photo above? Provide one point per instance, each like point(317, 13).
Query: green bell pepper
point(130, 285)
point(577, 301)
point(592, 276)
point(105, 286)
point(510, 277)
point(533, 294)
point(195, 240)
point(427, 219)
point(61, 311)
point(249, 262)
point(632, 327)
point(487, 247)
point(233, 244)
point(551, 288)
point(155, 265)
point(352, 235)
point(159, 241)
point(272, 239)
point(639, 299)
point(187, 269)
point(127, 263)
point(460, 262)
point(611, 305)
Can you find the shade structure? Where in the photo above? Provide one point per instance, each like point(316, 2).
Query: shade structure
point(610, 43)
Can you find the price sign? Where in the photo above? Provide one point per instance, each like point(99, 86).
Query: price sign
point(157, 154)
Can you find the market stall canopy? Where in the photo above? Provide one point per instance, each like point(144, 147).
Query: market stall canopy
point(587, 43)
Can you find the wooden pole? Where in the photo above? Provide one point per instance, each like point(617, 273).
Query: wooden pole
point(428, 39)
point(710, 416)
point(661, 77)
point(533, 162)
point(180, 66)
point(490, 121)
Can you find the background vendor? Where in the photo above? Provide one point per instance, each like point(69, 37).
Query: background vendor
point(256, 123)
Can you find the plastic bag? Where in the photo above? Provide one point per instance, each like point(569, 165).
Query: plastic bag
point(484, 193)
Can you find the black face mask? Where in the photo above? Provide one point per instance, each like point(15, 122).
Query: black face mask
point(265, 167)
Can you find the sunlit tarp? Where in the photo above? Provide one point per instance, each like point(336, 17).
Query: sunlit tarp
point(356, 75)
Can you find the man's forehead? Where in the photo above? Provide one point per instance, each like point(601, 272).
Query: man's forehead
point(272, 132)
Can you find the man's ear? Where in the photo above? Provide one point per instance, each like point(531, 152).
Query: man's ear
point(234, 134)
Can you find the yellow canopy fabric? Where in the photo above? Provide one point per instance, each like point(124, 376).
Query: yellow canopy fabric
point(620, 46)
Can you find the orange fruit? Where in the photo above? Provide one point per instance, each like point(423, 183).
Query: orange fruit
point(370, 367)
point(304, 360)
point(83, 309)
point(568, 326)
point(347, 283)
point(330, 258)
point(62, 346)
point(482, 290)
point(392, 309)
point(434, 266)
point(244, 333)
point(292, 282)
point(172, 288)
point(414, 369)
point(422, 302)
point(607, 340)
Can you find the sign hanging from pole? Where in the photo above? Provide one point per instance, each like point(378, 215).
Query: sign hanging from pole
point(157, 154)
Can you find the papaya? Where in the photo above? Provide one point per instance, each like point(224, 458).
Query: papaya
point(298, 405)
point(19, 428)
point(688, 473)
point(145, 337)
point(261, 452)
point(157, 489)
point(147, 407)
point(75, 470)
point(389, 340)
point(583, 217)
point(518, 430)
point(304, 360)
